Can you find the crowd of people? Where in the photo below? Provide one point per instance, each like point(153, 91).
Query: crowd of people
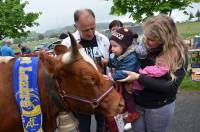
point(146, 73)
point(6, 50)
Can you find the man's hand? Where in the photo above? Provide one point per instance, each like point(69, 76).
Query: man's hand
point(104, 62)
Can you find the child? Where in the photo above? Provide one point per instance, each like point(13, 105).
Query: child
point(114, 25)
point(160, 68)
point(123, 41)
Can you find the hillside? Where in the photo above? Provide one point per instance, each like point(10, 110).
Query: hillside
point(186, 30)
point(99, 27)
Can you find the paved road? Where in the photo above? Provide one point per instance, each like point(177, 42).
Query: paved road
point(187, 112)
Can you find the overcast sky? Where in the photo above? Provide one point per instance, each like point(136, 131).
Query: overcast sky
point(59, 13)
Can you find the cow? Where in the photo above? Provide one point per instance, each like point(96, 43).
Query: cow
point(72, 76)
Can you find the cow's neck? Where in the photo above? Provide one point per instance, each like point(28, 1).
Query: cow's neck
point(51, 89)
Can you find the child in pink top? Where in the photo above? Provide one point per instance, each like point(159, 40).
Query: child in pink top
point(159, 69)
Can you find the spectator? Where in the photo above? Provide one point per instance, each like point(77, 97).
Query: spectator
point(96, 46)
point(6, 50)
point(24, 49)
point(114, 25)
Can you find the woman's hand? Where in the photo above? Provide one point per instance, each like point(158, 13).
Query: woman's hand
point(131, 76)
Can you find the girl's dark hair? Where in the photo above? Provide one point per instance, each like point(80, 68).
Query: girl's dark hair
point(115, 23)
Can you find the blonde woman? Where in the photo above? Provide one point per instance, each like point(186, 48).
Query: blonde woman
point(156, 102)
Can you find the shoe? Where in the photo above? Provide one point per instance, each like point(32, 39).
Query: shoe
point(127, 126)
point(132, 117)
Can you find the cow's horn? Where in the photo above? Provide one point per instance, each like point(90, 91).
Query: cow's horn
point(70, 56)
point(73, 45)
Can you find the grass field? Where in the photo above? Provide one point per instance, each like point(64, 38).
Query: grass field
point(189, 84)
point(188, 30)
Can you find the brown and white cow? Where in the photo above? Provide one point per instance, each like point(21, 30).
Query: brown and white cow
point(80, 85)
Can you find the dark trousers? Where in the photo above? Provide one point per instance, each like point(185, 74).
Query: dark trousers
point(85, 122)
point(129, 101)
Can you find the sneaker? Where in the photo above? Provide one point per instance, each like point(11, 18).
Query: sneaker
point(127, 126)
point(132, 117)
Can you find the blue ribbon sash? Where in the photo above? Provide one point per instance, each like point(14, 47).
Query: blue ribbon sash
point(26, 93)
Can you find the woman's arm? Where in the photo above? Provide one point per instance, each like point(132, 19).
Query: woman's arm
point(162, 84)
point(157, 84)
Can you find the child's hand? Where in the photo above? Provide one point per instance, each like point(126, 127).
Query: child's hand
point(104, 61)
point(129, 87)
point(108, 77)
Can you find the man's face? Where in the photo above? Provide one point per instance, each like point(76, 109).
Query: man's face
point(86, 26)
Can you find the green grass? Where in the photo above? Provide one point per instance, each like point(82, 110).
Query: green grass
point(189, 84)
point(188, 29)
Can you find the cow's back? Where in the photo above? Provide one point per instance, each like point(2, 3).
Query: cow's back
point(9, 114)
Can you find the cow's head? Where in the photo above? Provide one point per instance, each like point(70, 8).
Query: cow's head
point(78, 76)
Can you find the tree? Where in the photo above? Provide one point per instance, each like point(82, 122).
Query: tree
point(198, 15)
point(141, 9)
point(191, 16)
point(13, 20)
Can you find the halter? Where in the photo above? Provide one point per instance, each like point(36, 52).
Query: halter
point(93, 102)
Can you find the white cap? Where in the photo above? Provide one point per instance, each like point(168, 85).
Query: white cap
point(8, 40)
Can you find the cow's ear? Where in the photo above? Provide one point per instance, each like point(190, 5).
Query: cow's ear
point(48, 62)
point(60, 49)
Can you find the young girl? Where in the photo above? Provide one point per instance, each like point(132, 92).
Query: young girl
point(123, 41)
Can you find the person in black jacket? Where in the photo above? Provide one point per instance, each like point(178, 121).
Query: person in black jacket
point(24, 49)
point(156, 102)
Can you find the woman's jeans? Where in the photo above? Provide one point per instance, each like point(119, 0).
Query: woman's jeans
point(154, 120)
